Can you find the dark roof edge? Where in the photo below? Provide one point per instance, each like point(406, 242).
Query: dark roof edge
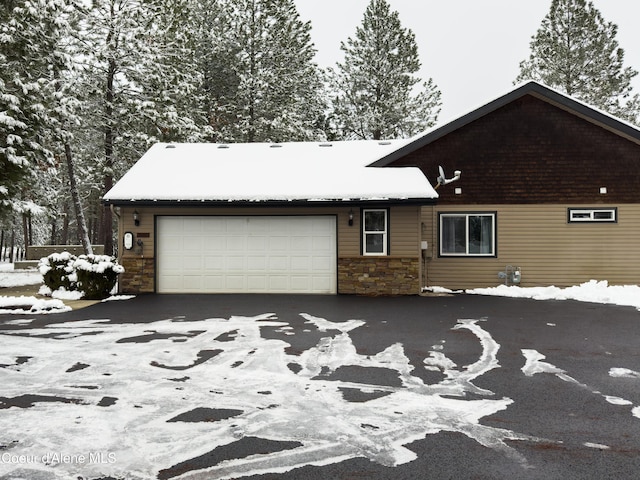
point(531, 88)
point(268, 203)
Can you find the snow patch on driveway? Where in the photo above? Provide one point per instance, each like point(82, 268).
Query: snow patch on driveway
point(122, 393)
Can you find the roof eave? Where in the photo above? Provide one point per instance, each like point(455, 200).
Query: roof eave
point(269, 203)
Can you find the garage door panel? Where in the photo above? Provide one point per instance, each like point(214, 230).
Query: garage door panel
point(278, 263)
point(247, 254)
point(214, 262)
point(193, 282)
point(256, 263)
point(321, 263)
point(235, 283)
point(236, 243)
point(213, 283)
point(301, 264)
point(235, 263)
point(258, 243)
point(213, 244)
point(191, 225)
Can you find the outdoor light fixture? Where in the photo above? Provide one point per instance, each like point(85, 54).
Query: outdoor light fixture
point(136, 218)
point(351, 217)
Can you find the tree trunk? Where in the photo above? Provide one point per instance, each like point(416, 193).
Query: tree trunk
point(82, 225)
point(13, 243)
point(109, 135)
point(65, 226)
point(52, 240)
point(107, 220)
point(25, 229)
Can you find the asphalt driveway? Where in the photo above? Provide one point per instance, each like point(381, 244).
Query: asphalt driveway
point(324, 387)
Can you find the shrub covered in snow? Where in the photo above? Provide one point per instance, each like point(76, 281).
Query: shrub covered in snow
point(58, 272)
point(97, 275)
point(94, 275)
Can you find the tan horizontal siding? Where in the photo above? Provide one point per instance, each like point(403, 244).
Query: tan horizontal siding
point(404, 233)
point(548, 249)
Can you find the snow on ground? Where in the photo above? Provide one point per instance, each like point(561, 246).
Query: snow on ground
point(29, 305)
point(118, 400)
point(593, 291)
point(17, 278)
point(92, 398)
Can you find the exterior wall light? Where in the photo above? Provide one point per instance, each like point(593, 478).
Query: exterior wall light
point(136, 218)
point(351, 217)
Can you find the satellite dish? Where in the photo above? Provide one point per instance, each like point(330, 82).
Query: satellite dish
point(442, 180)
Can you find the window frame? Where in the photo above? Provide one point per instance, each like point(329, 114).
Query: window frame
point(494, 234)
point(592, 211)
point(365, 232)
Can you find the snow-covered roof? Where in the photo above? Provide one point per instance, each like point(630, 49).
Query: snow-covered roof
point(260, 172)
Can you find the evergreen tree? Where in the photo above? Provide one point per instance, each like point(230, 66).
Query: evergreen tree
point(138, 85)
point(258, 73)
point(575, 51)
point(377, 94)
point(26, 57)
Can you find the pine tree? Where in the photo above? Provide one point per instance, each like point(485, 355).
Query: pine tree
point(137, 85)
point(26, 56)
point(169, 101)
point(377, 94)
point(259, 75)
point(575, 51)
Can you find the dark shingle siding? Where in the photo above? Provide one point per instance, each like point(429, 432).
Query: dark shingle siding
point(530, 151)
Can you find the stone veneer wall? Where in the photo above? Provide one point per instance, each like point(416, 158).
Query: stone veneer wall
point(379, 275)
point(139, 275)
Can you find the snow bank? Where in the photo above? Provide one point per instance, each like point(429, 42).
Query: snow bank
point(21, 305)
point(593, 291)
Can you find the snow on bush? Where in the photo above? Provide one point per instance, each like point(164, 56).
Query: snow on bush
point(94, 275)
point(57, 271)
point(97, 275)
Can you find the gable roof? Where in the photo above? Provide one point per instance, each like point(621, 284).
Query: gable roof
point(261, 172)
point(544, 93)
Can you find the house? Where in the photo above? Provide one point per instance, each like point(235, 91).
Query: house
point(270, 218)
point(549, 194)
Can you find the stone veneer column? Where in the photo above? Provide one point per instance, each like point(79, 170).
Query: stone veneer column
point(139, 275)
point(379, 275)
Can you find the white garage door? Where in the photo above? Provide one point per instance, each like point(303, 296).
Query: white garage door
point(246, 254)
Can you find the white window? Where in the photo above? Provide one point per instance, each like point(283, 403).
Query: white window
point(593, 215)
point(468, 234)
point(374, 232)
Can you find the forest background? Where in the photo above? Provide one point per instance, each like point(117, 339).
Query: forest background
point(86, 86)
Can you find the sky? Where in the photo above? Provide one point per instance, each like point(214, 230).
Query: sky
point(471, 49)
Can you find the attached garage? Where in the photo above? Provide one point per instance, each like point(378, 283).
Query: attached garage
point(307, 218)
point(246, 254)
